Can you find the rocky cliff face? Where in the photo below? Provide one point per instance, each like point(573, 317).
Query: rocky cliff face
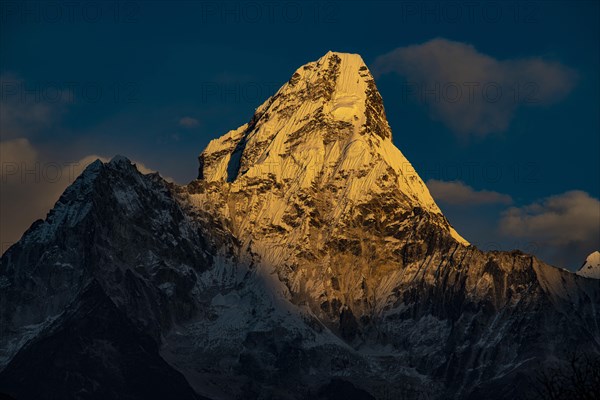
point(308, 260)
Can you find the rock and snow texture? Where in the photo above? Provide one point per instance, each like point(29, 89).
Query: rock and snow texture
point(314, 187)
point(324, 130)
point(591, 266)
point(307, 258)
point(328, 119)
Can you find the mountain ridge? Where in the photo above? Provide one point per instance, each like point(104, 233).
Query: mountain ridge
point(258, 279)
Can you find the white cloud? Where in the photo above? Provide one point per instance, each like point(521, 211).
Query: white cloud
point(567, 223)
point(188, 122)
point(458, 193)
point(561, 219)
point(470, 92)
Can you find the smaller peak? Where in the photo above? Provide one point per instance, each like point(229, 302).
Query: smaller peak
point(92, 169)
point(118, 159)
point(89, 174)
point(94, 165)
point(595, 255)
point(591, 266)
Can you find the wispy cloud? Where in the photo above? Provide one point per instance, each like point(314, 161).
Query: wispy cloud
point(470, 92)
point(188, 122)
point(26, 109)
point(569, 217)
point(458, 193)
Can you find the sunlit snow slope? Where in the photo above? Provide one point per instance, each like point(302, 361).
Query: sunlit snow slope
point(325, 127)
point(591, 267)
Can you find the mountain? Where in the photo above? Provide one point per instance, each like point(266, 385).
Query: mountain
point(307, 261)
point(324, 132)
point(591, 266)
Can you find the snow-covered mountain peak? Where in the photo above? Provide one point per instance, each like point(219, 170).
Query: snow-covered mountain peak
point(327, 106)
point(325, 131)
point(348, 80)
point(352, 58)
point(591, 266)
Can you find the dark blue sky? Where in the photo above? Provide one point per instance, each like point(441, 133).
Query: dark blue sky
point(156, 63)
